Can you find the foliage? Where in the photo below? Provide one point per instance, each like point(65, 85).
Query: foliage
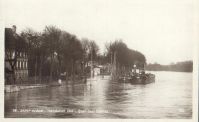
point(125, 57)
point(54, 51)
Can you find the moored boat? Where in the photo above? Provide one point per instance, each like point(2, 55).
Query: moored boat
point(142, 79)
point(137, 76)
point(124, 78)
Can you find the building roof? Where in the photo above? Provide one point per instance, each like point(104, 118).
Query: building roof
point(14, 41)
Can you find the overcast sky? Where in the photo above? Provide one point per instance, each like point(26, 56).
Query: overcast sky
point(161, 29)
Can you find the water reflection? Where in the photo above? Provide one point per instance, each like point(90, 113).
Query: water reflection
point(168, 97)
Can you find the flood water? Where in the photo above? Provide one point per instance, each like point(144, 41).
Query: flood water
point(169, 97)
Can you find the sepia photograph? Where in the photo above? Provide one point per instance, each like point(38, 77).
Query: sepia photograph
point(103, 59)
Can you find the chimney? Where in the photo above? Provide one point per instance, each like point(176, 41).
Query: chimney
point(14, 28)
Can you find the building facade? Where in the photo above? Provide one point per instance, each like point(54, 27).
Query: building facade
point(16, 59)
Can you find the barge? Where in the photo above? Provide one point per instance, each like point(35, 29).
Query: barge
point(137, 76)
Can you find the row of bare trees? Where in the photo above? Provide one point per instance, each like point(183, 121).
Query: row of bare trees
point(124, 57)
point(55, 51)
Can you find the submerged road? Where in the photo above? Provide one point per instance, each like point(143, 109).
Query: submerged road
point(169, 97)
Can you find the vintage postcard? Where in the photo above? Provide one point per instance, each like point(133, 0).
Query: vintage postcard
point(118, 60)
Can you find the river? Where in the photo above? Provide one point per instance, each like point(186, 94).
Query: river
point(169, 97)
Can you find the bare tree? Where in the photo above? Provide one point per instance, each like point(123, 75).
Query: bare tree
point(51, 36)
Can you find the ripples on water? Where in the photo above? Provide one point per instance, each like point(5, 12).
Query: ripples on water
point(169, 97)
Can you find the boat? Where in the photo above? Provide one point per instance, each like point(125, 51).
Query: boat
point(124, 78)
point(137, 76)
point(142, 78)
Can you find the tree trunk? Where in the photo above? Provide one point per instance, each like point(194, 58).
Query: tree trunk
point(51, 68)
point(36, 70)
point(72, 70)
point(13, 70)
point(59, 68)
point(40, 68)
point(14, 76)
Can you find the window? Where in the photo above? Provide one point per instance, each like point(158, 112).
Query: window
point(26, 65)
point(19, 64)
point(13, 55)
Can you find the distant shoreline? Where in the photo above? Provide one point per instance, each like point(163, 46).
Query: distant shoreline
point(169, 71)
point(185, 66)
